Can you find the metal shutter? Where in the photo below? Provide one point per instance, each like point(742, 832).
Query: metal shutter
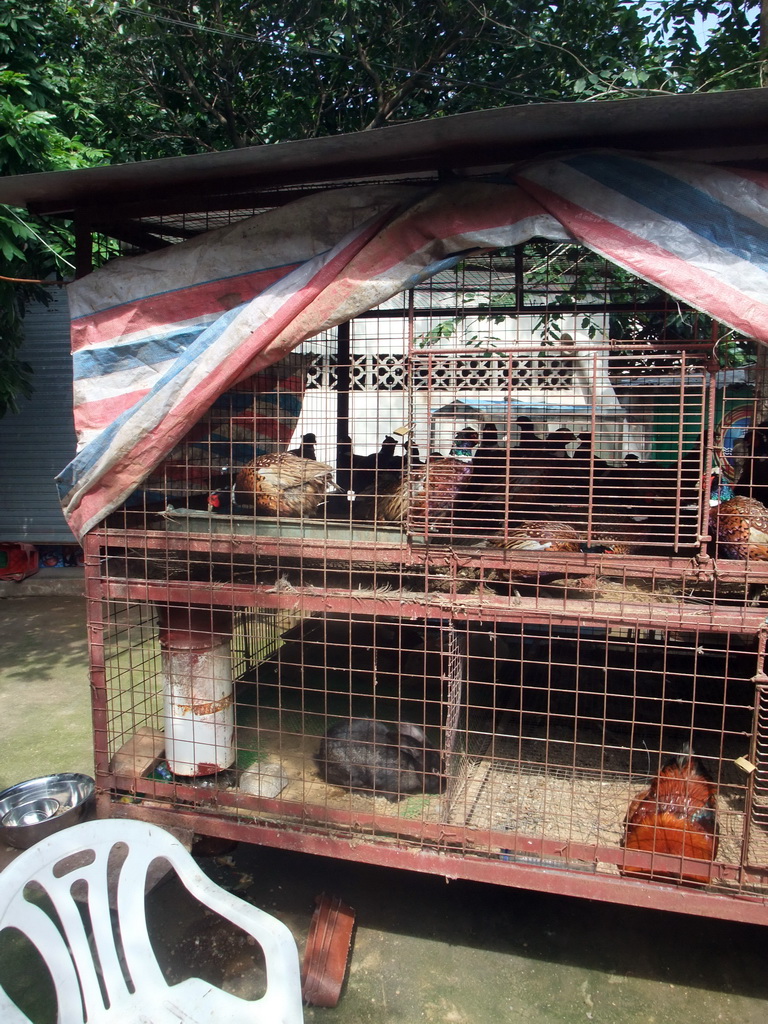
point(39, 441)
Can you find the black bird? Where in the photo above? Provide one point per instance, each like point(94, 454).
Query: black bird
point(367, 470)
point(306, 449)
point(465, 442)
point(484, 501)
point(528, 443)
point(753, 478)
point(490, 463)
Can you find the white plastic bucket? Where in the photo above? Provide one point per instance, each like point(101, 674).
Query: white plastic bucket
point(198, 692)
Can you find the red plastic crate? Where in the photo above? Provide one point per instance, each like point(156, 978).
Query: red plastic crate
point(17, 561)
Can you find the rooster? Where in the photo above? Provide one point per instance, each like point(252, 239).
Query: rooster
point(740, 528)
point(284, 485)
point(486, 495)
point(490, 462)
point(464, 443)
point(675, 815)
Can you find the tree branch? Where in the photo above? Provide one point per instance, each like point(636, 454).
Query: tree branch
point(387, 108)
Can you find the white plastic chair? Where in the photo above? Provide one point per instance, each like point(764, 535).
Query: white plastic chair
point(71, 958)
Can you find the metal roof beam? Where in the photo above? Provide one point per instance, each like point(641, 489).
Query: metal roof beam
point(726, 125)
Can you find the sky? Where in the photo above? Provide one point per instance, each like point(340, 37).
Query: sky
point(702, 25)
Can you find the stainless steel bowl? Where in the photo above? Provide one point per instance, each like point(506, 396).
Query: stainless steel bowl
point(32, 810)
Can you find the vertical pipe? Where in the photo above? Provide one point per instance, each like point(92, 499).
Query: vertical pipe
point(680, 439)
point(343, 372)
point(94, 600)
point(705, 536)
point(761, 384)
point(595, 398)
point(519, 278)
point(759, 679)
point(83, 246)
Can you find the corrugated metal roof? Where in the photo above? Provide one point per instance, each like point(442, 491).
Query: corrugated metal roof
point(721, 127)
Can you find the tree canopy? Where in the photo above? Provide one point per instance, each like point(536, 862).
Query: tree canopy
point(180, 76)
point(46, 119)
point(89, 81)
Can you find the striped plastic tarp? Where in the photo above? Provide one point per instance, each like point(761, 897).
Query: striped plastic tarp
point(157, 339)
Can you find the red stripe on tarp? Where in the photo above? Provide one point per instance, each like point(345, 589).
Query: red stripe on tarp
point(98, 414)
point(414, 232)
point(409, 235)
point(169, 308)
point(267, 427)
point(756, 177)
point(264, 383)
point(658, 265)
point(91, 509)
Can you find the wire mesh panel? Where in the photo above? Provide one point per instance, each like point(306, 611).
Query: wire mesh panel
point(547, 744)
point(570, 467)
point(469, 578)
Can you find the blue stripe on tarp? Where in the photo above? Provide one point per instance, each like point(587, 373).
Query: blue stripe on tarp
point(246, 401)
point(516, 406)
point(98, 362)
point(234, 401)
point(446, 263)
point(84, 461)
point(680, 202)
point(224, 449)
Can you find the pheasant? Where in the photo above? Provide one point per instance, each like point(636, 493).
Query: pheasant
point(284, 485)
point(740, 528)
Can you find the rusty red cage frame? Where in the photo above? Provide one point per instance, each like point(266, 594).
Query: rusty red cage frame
point(554, 674)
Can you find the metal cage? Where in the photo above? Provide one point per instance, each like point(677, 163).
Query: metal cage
point(499, 610)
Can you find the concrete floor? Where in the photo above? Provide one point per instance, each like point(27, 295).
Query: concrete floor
point(424, 949)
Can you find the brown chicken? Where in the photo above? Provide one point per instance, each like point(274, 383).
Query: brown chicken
point(428, 498)
point(284, 485)
point(739, 527)
point(617, 532)
point(675, 815)
point(540, 535)
point(611, 534)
